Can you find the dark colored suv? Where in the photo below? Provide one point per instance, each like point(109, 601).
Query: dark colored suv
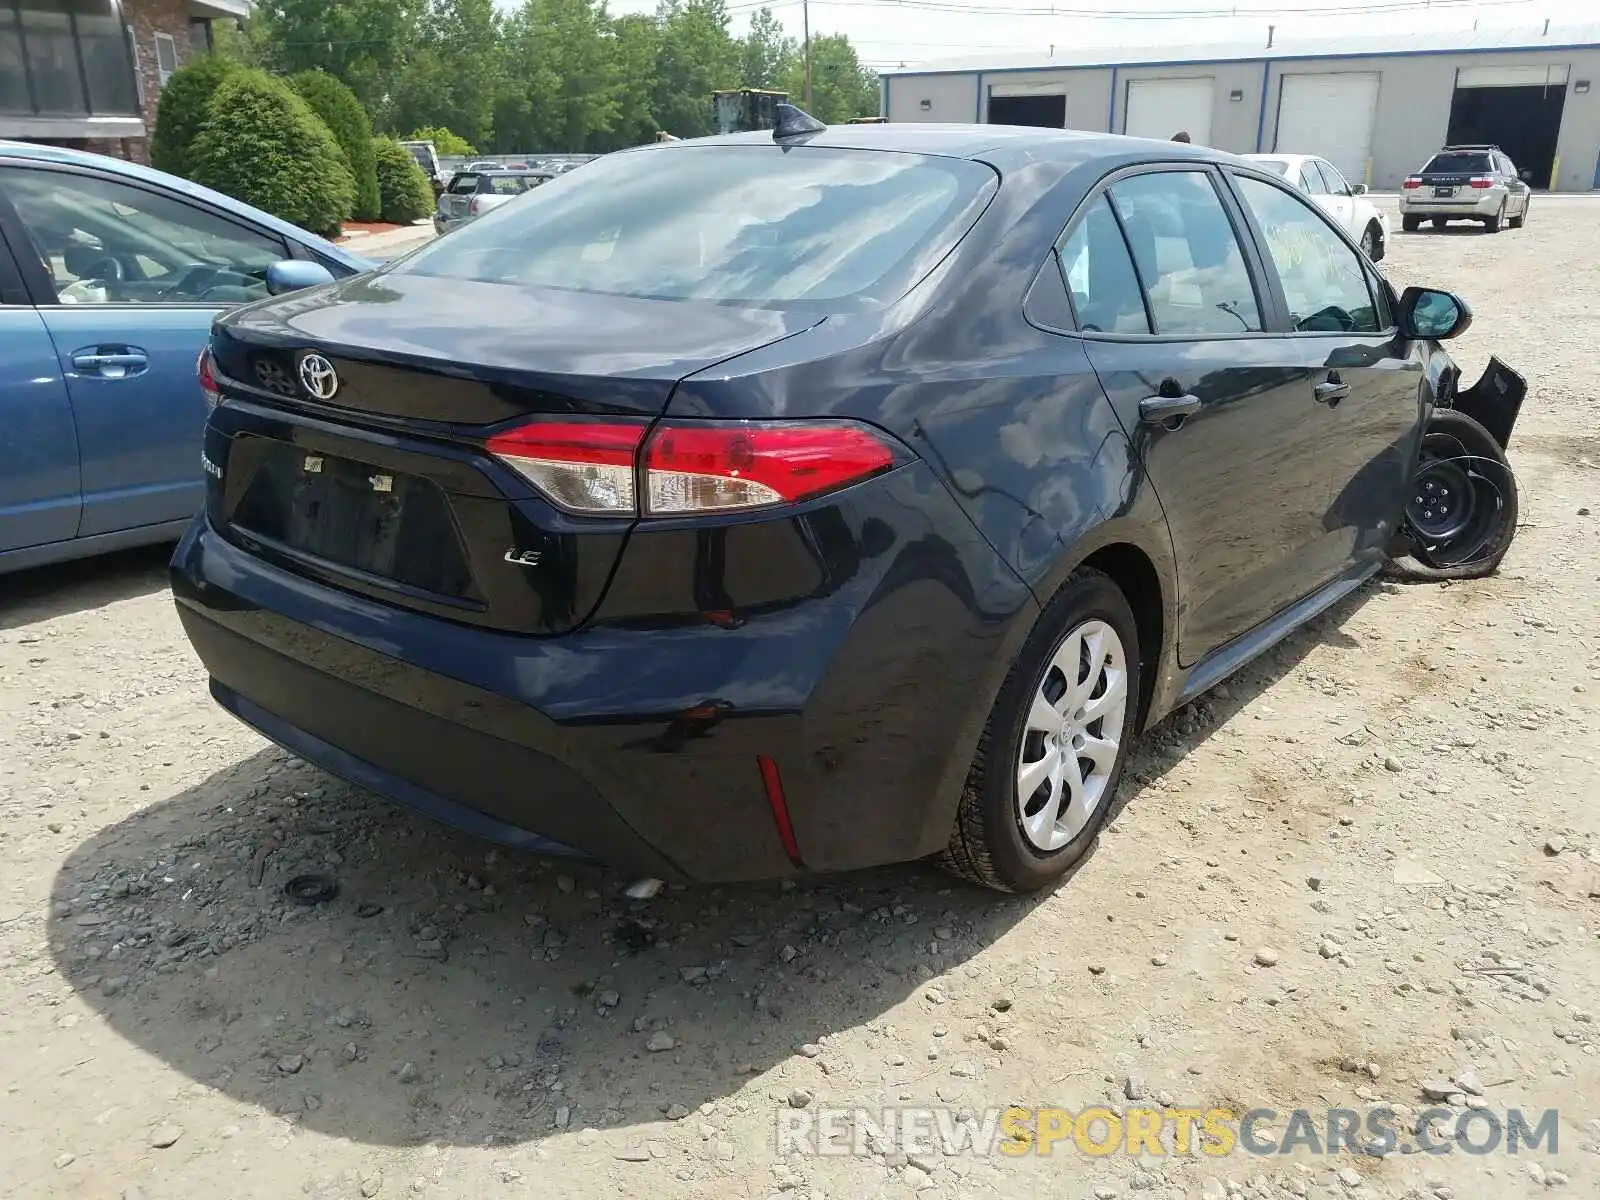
point(1465, 183)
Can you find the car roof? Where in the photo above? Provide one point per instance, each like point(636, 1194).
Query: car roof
point(106, 165)
point(1067, 148)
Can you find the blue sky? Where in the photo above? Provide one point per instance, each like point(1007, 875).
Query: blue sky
point(886, 32)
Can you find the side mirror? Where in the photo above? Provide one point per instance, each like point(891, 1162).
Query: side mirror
point(1427, 313)
point(1358, 189)
point(292, 274)
point(1524, 175)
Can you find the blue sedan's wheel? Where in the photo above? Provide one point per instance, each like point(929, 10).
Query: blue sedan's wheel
point(1048, 763)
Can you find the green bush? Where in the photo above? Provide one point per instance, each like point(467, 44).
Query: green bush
point(182, 111)
point(262, 144)
point(449, 144)
point(342, 113)
point(404, 191)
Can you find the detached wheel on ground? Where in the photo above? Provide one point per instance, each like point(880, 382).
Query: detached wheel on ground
point(1041, 784)
point(1461, 510)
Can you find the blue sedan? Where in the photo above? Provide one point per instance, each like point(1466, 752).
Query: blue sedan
point(110, 277)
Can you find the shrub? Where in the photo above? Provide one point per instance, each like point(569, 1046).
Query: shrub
point(449, 144)
point(404, 191)
point(262, 144)
point(342, 113)
point(182, 111)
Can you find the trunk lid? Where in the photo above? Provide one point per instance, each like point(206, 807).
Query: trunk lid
point(384, 487)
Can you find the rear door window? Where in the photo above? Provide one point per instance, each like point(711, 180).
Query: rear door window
point(750, 224)
point(1099, 275)
point(1188, 258)
point(507, 185)
point(1311, 179)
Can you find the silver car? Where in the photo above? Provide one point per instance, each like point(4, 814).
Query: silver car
point(470, 194)
point(1466, 183)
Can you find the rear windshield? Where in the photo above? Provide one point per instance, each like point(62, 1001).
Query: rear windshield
point(1452, 164)
point(464, 184)
point(746, 224)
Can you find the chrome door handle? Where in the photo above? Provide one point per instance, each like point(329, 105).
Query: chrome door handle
point(115, 365)
point(1158, 410)
point(1331, 392)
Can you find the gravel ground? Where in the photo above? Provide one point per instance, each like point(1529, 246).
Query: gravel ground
point(1365, 870)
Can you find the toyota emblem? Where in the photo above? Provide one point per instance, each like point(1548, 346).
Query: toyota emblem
point(318, 377)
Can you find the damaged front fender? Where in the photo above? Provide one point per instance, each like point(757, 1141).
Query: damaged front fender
point(1495, 401)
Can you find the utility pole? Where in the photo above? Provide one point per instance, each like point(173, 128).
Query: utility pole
point(805, 24)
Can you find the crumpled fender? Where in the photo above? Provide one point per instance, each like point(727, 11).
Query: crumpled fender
point(1495, 401)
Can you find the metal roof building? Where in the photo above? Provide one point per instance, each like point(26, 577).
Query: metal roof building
point(1376, 106)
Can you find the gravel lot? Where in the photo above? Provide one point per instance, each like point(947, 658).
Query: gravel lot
point(1366, 867)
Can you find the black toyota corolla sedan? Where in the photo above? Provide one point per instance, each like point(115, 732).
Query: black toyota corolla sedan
point(807, 500)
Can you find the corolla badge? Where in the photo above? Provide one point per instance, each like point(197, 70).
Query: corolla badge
point(318, 377)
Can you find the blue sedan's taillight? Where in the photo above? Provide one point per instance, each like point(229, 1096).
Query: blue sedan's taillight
point(208, 379)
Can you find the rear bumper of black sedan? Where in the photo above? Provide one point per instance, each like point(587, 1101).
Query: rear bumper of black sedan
point(860, 708)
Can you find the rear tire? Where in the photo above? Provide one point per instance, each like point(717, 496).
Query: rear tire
point(1440, 222)
point(1521, 219)
point(1497, 222)
point(1410, 224)
point(1487, 522)
point(1072, 693)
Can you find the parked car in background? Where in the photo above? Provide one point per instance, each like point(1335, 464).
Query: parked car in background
point(774, 503)
point(110, 277)
point(472, 193)
point(1466, 183)
point(428, 159)
point(1342, 200)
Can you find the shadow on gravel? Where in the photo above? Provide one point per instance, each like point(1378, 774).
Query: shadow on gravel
point(457, 994)
point(43, 593)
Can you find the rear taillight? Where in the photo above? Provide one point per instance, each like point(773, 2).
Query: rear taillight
point(584, 466)
point(1480, 181)
point(690, 466)
point(475, 205)
point(706, 467)
point(1411, 182)
point(206, 370)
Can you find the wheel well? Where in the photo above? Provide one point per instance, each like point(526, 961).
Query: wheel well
point(1133, 572)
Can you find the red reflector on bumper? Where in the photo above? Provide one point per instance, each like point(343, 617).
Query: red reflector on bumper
point(780, 807)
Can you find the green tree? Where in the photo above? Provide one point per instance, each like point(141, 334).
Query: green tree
point(766, 54)
point(262, 143)
point(454, 72)
point(182, 111)
point(351, 127)
point(403, 188)
point(362, 42)
point(562, 90)
point(841, 87)
point(635, 43)
point(697, 57)
point(443, 140)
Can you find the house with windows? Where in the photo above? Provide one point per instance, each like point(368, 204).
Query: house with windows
point(89, 73)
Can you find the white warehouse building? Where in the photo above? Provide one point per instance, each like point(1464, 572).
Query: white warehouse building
point(1376, 106)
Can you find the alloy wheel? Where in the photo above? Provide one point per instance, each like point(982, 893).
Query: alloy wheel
point(1368, 242)
point(1073, 733)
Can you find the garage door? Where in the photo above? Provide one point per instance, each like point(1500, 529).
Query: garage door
point(1159, 108)
point(1330, 116)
